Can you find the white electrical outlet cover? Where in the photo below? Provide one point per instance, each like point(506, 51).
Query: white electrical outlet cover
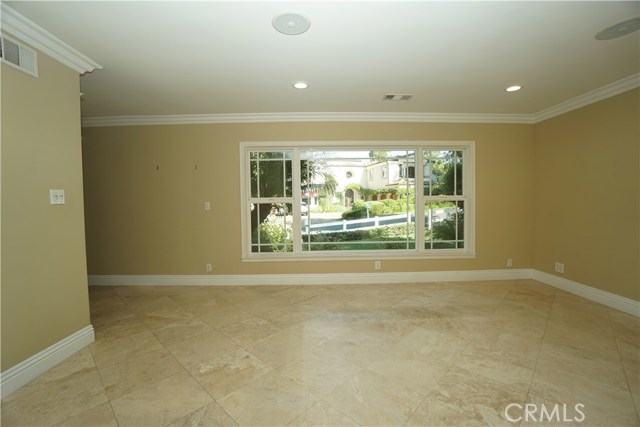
point(56, 197)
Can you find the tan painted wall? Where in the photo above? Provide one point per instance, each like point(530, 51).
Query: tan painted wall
point(144, 196)
point(44, 284)
point(587, 195)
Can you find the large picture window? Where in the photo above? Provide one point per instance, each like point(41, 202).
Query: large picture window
point(357, 200)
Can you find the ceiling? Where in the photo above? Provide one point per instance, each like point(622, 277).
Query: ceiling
point(224, 57)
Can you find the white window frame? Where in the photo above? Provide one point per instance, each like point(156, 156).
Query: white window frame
point(468, 176)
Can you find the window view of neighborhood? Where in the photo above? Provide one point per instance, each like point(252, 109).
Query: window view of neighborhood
point(356, 200)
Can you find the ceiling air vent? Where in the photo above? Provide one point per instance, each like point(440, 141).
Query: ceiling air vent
point(397, 97)
point(19, 56)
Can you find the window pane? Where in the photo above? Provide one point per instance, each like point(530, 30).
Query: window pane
point(442, 173)
point(271, 174)
point(347, 206)
point(271, 227)
point(444, 225)
point(392, 232)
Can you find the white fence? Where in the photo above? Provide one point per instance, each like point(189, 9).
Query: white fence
point(355, 224)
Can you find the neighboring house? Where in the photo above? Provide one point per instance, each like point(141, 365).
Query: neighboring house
point(352, 176)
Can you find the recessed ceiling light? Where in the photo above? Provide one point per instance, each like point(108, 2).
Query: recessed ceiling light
point(620, 29)
point(301, 85)
point(513, 88)
point(291, 23)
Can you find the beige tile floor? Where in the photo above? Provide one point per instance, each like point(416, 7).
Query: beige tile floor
point(441, 354)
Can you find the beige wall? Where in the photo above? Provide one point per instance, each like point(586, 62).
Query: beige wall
point(144, 195)
point(44, 284)
point(587, 195)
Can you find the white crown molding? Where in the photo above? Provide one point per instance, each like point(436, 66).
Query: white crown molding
point(27, 31)
point(599, 94)
point(607, 91)
point(304, 117)
point(17, 376)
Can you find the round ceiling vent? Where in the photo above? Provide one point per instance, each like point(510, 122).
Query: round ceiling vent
point(291, 23)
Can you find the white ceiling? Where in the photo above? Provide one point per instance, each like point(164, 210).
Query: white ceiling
point(185, 58)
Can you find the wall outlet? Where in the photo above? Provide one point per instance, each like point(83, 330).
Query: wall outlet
point(56, 197)
point(208, 268)
point(377, 265)
point(509, 262)
point(207, 206)
point(559, 267)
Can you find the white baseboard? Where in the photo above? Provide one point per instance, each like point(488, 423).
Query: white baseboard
point(606, 298)
point(308, 279)
point(614, 301)
point(14, 378)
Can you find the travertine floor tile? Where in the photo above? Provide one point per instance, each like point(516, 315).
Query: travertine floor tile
point(201, 348)
point(271, 400)
point(431, 413)
point(211, 415)
point(319, 371)
point(172, 325)
point(123, 377)
point(477, 396)
point(160, 403)
point(248, 331)
point(323, 414)
point(417, 354)
point(228, 372)
point(281, 347)
point(57, 401)
point(372, 399)
point(114, 350)
point(100, 416)
point(357, 347)
point(603, 401)
point(79, 362)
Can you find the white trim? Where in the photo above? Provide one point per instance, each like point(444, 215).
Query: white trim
point(615, 88)
point(468, 147)
point(608, 299)
point(29, 32)
point(14, 378)
point(305, 117)
point(607, 91)
point(308, 279)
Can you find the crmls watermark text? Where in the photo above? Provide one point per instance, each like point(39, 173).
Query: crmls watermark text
point(532, 412)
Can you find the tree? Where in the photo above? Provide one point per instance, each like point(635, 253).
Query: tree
point(378, 155)
point(272, 176)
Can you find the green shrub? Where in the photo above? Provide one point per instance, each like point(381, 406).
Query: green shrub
point(359, 209)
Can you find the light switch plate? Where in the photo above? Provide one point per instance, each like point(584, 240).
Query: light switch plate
point(56, 197)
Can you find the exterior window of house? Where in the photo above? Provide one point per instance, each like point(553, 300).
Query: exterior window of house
point(298, 203)
point(370, 174)
point(384, 172)
point(408, 172)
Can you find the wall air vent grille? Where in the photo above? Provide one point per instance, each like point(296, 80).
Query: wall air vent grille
point(397, 97)
point(19, 56)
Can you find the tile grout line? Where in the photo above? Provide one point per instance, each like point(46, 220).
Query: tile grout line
point(535, 367)
point(624, 370)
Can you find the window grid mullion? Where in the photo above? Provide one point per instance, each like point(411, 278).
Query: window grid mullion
point(296, 195)
point(422, 154)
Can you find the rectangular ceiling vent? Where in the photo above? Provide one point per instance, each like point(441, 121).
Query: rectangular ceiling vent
point(397, 97)
point(19, 56)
